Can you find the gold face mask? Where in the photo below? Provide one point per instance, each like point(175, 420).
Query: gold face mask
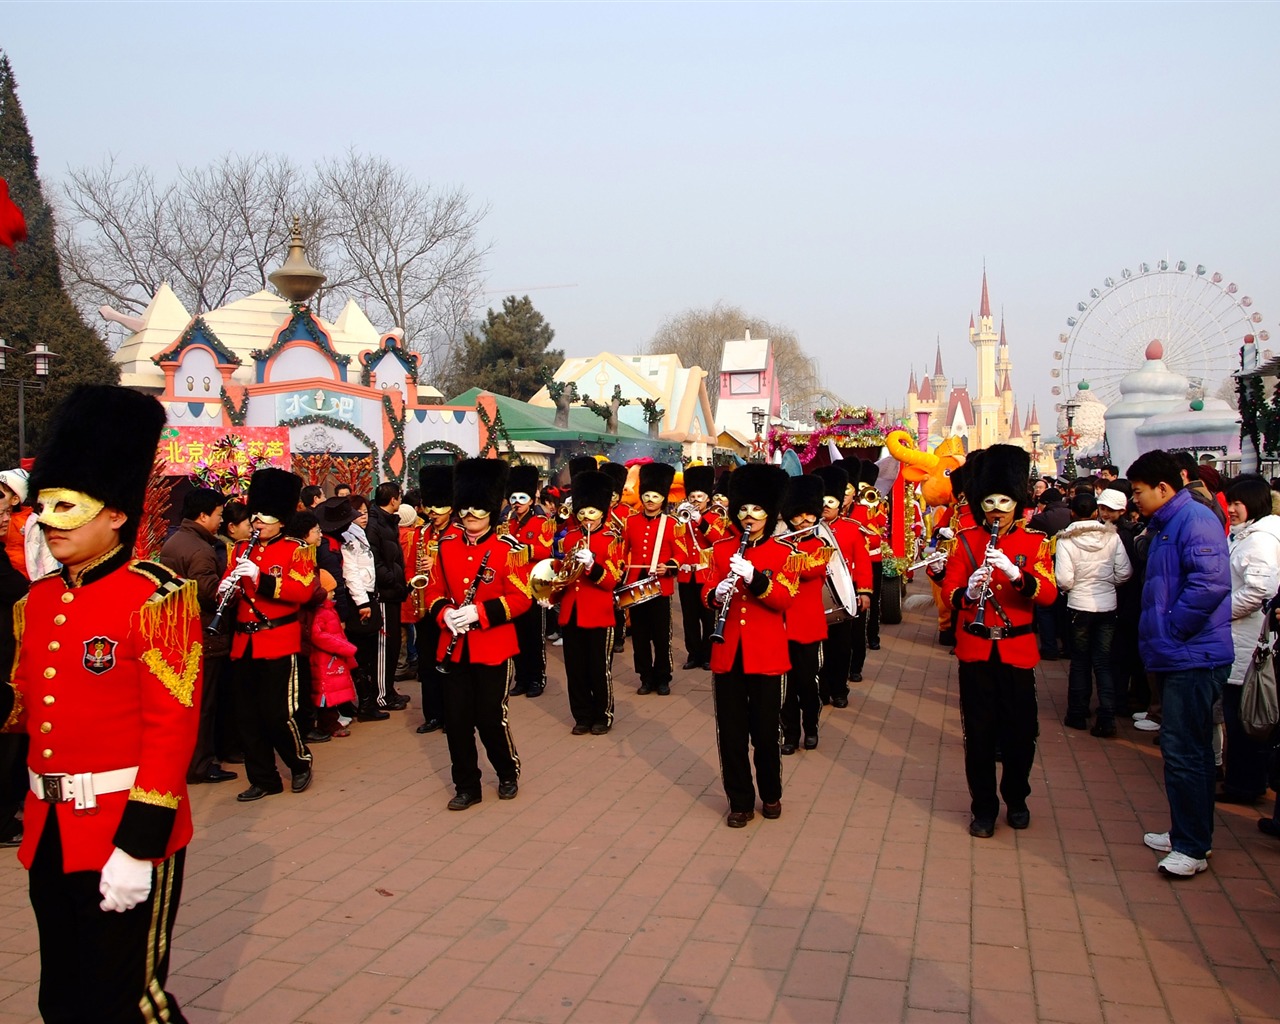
point(439, 510)
point(830, 502)
point(262, 517)
point(474, 513)
point(589, 515)
point(82, 508)
point(754, 512)
point(998, 503)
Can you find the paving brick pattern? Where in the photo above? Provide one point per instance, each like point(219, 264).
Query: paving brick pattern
point(610, 890)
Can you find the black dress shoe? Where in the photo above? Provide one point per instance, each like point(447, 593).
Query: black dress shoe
point(464, 800)
point(1018, 819)
point(947, 637)
point(371, 713)
point(536, 690)
point(219, 774)
point(508, 789)
point(811, 741)
point(256, 793)
point(430, 725)
point(1267, 826)
point(1103, 729)
point(839, 702)
point(580, 730)
point(982, 828)
point(599, 729)
point(706, 665)
point(317, 736)
point(664, 690)
point(773, 810)
point(518, 690)
point(787, 749)
point(301, 780)
point(855, 677)
point(689, 663)
point(874, 646)
point(739, 819)
point(645, 690)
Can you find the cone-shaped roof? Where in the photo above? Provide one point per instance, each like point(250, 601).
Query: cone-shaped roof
point(937, 360)
point(985, 308)
point(911, 384)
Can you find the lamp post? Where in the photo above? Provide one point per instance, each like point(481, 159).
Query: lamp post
point(42, 355)
point(1069, 439)
point(757, 446)
point(1035, 454)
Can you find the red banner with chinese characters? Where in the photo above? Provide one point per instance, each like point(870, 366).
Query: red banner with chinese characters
point(223, 458)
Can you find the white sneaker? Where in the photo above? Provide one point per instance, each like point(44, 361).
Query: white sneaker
point(1159, 841)
point(1139, 716)
point(1179, 865)
point(1146, 725)
point(558, 642)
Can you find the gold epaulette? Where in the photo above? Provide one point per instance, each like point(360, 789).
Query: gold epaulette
point(519, 553)
point(165, 621)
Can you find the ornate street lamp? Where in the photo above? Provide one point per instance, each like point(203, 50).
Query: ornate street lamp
point(757, 421)
point(1070, 440)
point(42, 355)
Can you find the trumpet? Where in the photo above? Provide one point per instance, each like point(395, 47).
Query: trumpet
point(565, 511)
point(685, 512)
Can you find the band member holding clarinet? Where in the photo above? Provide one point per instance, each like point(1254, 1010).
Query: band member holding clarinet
point(998, 572)
point(586, 605)
point(705, 528)
point(435, 484)
point(270, 578)
point(837, 649)
point(528, 523)
point(806, 618)
point(653, 544)
point(751, 587)
point(478, 586)
point(619, 513)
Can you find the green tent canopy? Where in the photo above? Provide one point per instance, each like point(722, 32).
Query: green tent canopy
point(525, 422)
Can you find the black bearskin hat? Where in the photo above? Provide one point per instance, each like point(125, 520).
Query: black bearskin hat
point(722, 482)
point(480, 483)
point(592, 490)
point(581, 464)
point(523, 480)
point(699, 478)
point(617, 474)
point(834, 480)
point(960, 477)
point(803, 494)
point(869, 473)
point(656, 476)
point(274, 492)
point(968, 473)
point(757, 484)
point(101, 441)
point(1003, 469)
point(436, 485)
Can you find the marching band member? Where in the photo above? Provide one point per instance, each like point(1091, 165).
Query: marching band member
point(619, 513)
point(478, 586)
point(806, 618)
point(107, 685)
point(653, 545)
point(837, 649)
point(751, 586)
point(869, 512)
point(586, 606)
point(1002, 569)
point(276, 576)
point(530, 525)
point(704, 529)
point(436, 486)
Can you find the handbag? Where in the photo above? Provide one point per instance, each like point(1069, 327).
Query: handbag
point(1259, 702)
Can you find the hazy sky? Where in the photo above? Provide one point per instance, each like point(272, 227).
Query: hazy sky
point(841, 169)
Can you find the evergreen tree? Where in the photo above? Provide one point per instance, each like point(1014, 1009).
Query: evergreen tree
point(509, 355)
point(33, 305)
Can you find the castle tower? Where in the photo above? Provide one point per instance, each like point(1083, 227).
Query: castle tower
point(986, 403)
point(939, 378)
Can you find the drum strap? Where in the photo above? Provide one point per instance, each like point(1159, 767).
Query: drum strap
point(657, 544)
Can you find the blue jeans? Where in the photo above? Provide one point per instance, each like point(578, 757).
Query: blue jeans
point(1091, 637)
point(1186, 740)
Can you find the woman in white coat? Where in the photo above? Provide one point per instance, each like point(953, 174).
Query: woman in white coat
point(1255, 575)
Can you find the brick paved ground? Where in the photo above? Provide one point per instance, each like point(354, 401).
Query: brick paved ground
point(611, 890)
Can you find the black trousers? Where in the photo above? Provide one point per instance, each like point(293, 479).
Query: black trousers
point(873, 616)
point(431, 680)
point(747, 710)
point(998, 712)
point(365, 678)
point(588, 670)
point(266, 697)
point(388, 640)
point(205, 755)
point(227, 740)
point(96, 966)
point(13, 781)
point(531, 655)
point(800, 703)
point(699, 621)
point(837, 649)
point(651, 641)
point(475, 701)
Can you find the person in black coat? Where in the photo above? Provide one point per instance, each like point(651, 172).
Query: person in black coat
point(13, 746)
point(383, 534)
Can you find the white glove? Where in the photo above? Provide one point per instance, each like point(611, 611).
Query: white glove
point(978, 582)
point(245, 569)
point(459, 620)
point(724, 589)
point(225, 586)
point(739, 566)
point(997, 559)
point(939, 564)
point(585, 557)
point(695, 516)
point(126, 882)
point(945, 532)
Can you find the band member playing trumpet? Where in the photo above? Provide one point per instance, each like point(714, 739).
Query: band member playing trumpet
point(867, 511)
point(478, 586)
point(586, 605)
point(752, 586)
point(806, 617)
point(653, 546)
point(998, 572)
point(530, 525)
point(833, 680)
point(703, 530)
point(436, 486)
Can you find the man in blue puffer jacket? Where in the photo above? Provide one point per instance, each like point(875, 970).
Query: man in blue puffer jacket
point(1184, 635)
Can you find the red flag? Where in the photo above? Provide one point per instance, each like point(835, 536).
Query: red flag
point(13, 227)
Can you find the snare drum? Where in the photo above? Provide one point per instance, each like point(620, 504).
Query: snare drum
point(839, 595)
point(639, 592)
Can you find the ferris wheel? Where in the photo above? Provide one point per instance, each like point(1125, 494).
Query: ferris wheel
point(1199, 319)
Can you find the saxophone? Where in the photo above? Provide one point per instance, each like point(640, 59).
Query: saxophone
point(424, 560)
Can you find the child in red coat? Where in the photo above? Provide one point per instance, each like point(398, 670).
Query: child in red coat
point(333, 657)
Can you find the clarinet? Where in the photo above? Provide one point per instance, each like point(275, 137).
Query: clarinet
point(445, 667)
point(978, 627)
point(233, 591)
point(722, 616)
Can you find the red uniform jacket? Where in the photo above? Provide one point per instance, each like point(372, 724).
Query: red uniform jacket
point(591, 595)
point(872, 524)
point(536, 531)
point(807, 617)
point(699, 539)
point(639, 538)
point(286, 581)
point(756, 622)
point(503, 593)
point(854, 552)
point(1029, 550)
point(108, 677)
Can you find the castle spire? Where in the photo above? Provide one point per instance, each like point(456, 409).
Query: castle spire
point(937, 362)
point(1035, 419)
point(985, 309)
point(1003, 343)
point(912, 389)
point(1015, 429)
point(971, 324)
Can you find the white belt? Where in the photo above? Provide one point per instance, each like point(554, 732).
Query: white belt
point(82, 788)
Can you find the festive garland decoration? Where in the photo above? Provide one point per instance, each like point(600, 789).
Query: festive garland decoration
point(236, 416)
point(316, 420)
point(228, 468)
point(495, 431)
point(826, 417)
point(652, 413)
point(605, 412)
point(153, 527)
point(843, 426)
point(397, 440)
point(197, 333)
point(413, 461)
point(301, 317)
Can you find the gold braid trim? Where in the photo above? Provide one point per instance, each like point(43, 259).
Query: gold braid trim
point(166, 618)
point(797, 561)
point(306, 579)
point(524, 588)
point(155, 798)
point(792, 586)
point(304, 557)
point(19, 627)
point(518, 557)
point(181, 684)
